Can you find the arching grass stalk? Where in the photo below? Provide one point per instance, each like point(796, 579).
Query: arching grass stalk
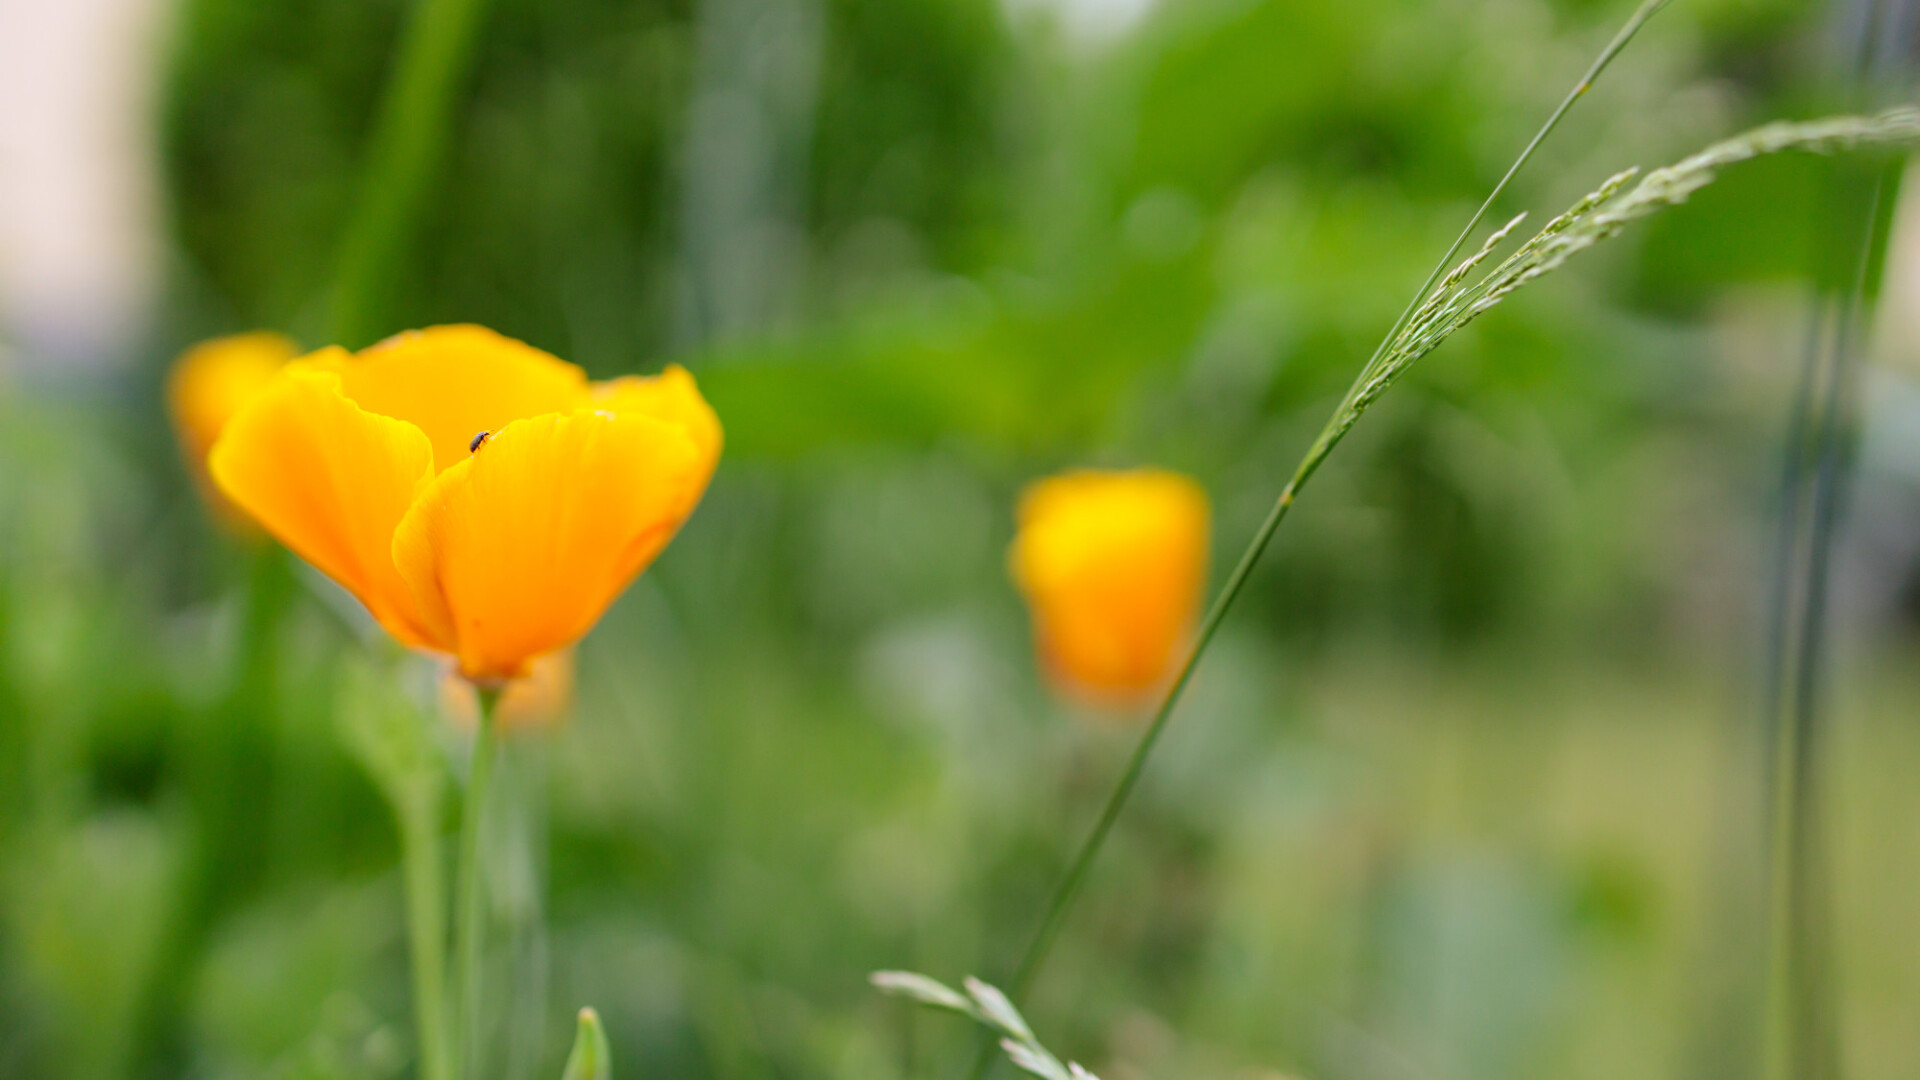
point(1646, 10)
point(470, 915)
point(1455, 302)
point(1065, 892)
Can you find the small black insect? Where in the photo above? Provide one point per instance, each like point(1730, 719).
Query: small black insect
point(474, 446)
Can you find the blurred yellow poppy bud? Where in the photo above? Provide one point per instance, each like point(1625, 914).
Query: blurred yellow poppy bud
point(208, 385)
point(478, 495)
point(541, 699)
point(1111, 565)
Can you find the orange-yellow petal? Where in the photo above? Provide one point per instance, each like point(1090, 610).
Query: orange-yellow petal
point(454, 382)
point(331, 481)
point(540, 699)
point(214, 379)
point(673, 397)
point(1112, 565)
point(521, 546)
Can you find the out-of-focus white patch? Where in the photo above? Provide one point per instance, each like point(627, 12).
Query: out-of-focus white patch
point(1084, 22)
point(78, 176)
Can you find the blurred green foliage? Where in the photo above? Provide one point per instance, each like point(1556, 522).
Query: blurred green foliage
point(1450, 800)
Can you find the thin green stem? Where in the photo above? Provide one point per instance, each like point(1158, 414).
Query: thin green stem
point(471, 915)
point(426, 934)
point(1064, 894)
point(409, 141)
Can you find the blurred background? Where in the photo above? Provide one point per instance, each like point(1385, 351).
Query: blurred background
point(1470, 788)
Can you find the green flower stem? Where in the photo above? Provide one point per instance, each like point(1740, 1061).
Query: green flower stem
point(1064, 894)
point(470, 917)
point(426, 933)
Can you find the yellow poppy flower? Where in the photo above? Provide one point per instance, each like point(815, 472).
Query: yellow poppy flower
point(479, 496)
point(209, 384)
point(1111, 565)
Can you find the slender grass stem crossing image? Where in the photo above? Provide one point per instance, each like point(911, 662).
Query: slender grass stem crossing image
point(949, 539)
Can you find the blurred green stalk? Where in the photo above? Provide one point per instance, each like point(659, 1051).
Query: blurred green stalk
point(228, 767)
point(1061, 901)
point(1854, 222)
point(1805, 1041)
point(385, 730)
point(426, 934)
point(469, 916)
point(410, 139)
